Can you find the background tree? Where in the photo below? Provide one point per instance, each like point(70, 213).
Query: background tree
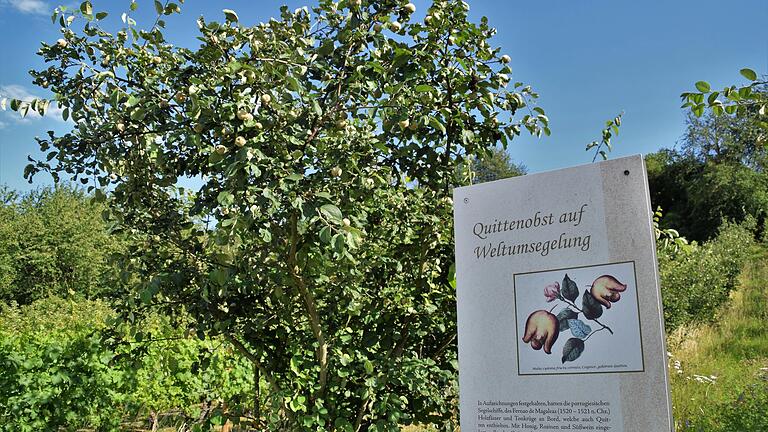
point(719, 173)
point(496, 164)
point(53, 242)
point(323, 146)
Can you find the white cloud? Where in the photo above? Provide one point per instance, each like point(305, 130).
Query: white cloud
point(14, 91)
point(29, 6)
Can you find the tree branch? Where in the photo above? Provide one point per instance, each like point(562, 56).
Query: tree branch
point(309, 302)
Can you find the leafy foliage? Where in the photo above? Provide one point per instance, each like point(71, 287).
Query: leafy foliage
point(54, 371)
point(720, 171)
point(53, 242)
point(743, 101)
point(323, 146)
point(697, 196)
point(58, 371)
point(496, 164)
point(604, 146)
point(696, 280)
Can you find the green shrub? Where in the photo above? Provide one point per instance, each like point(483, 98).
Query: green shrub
point(187, 375)
point(53, 242)
point(696, 280)
point(747, 412)
point(54, 371)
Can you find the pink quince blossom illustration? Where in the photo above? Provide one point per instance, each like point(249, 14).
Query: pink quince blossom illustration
point(552, 291)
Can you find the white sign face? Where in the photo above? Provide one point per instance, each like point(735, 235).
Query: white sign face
point(560, 324)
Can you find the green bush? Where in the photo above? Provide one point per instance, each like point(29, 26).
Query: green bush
point(53, 242)
point(696, 280)
point(747, 412)
point(196, 379)
point(56, 371)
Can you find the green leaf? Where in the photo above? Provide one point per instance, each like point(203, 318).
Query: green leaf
point(294, 177)
point(218, 276)
point(86, 8)
point(316, 108)
point(297, 403)
point(748, 74)
point(293, 84)
point(325, 234)
point(467, 136)
point(331, 212)
point(225, 198)
point(133, 100)
point(569, 289)
point(368, 366)
point(101, 15)
point(146, 295)
point(423, 88)
point(230, 15)
point(326, 48)
point(158, 7)
point(703, 86)
point(435, 123)
point(592, 308)
point(339, 243)
point(572, 349)
point(265, 235)
point(138, 114)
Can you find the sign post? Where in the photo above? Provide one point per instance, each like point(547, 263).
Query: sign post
point(559, 310)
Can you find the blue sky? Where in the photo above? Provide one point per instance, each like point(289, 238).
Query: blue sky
point(588, 59)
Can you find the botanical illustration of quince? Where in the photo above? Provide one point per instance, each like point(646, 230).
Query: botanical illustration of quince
point(542, 327)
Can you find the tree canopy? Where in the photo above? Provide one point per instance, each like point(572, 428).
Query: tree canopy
point(719, 172)
point(322, 147)
point(53, 242)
